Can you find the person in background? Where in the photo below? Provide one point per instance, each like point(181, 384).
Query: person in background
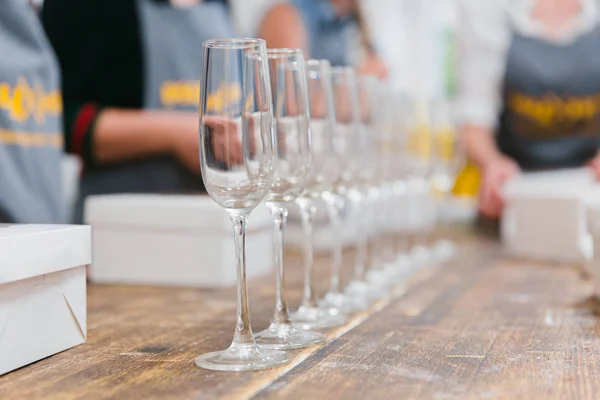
point(131, 89)
point(321, 28)
point(30, 120)
point(529, 90)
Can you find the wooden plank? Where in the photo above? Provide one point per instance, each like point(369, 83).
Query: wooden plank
point(142, 342)
point(482, 327)
point(478, 327)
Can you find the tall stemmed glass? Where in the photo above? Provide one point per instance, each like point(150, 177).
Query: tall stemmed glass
point(237, 161)
point(350, 142)
point(419, 188)
point(376, 123)
point(449, 158)
point(292, 161)
point(399, 173)
point(402, 161)
point(323, 173)
point(387, 150)
point(371, 178)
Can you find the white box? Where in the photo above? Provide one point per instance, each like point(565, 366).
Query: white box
point(545, 215)
point(42, 291)
point(593, 264)
point(175, 240)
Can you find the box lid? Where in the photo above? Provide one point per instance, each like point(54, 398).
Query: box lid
point(569, 183)
point(31, 250)
point(192, 212)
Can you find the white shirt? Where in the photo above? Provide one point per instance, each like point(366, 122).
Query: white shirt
point(485, 32)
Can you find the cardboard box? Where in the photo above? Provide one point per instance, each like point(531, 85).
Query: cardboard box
point(176, 240)
point(545, 215)
point(42, 291)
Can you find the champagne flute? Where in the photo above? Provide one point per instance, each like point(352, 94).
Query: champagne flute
point(351, 145)
point(419, 188)
point(237, 145)
point(373, 119)
point(387, 150)
point(402, 166)
point(292, 162)
point(323, 173)
point(449, 159)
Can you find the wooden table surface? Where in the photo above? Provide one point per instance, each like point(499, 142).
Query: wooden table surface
point(478, 327)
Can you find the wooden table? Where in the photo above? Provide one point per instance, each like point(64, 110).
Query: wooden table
point(479, 327)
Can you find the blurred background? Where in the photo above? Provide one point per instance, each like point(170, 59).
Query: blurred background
point(416, 40)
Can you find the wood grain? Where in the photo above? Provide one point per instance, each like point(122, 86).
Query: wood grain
point(479, 327)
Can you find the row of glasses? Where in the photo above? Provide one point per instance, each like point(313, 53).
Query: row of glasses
point(349, 135)
point(298, 133)
point(243, 176)
point(324, 175)
point(266, 140)
point(292, 166)
point(425, 157)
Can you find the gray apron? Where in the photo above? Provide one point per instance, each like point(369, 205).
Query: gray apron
point(328, 35)
point(551, 116)
point(30, 120)
point(172, 57)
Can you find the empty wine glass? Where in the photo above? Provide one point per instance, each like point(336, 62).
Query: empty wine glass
point(448, 160)
point(420, 202)
point(351, 145)
point(237, 161)
point(323, 173)
point(402, 170)
point(388, 151)
point(372, 117)
point(292, 161)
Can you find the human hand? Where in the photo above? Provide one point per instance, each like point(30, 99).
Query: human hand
point(373, 65)
point(495, 174)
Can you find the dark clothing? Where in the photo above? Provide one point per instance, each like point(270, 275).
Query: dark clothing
point(551, 116)
point(130, 54)
point(99, 45)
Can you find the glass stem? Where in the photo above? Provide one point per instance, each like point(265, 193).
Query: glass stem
point(243, 331)
point(335, 205)
point(362, 240)
point(279, 213)
point(308, 211)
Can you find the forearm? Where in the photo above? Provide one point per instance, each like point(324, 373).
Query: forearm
point(121, 135)
point(479, 144)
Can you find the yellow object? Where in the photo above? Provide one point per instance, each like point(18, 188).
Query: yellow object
point(468, 181)
point(445, 144)
point(419, 142)
point(22, 101)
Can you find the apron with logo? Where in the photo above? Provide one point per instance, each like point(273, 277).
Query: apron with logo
point(172, 56)
point(31, 136)
point(551, 115)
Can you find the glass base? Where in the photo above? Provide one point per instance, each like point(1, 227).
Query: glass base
point(401, 269)
point(346, 304)
point(287, 337)
point(444, 250)
point(243, 358)
point(363, 289)
point(420, 254)
point(379, 279)
point(318, 318)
